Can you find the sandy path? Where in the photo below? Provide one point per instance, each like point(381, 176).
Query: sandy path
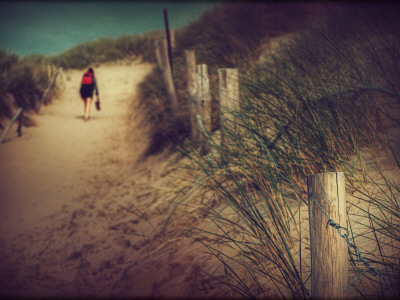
point(50, 164)
point(49, 172)
point(81, 213)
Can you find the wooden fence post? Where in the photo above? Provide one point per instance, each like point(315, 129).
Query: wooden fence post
point(328, 249)
point(204, 103)
point(16, 116)
point(158, 53)
point(167, 74)
point(173, 42)
point(229, 103)
point(192, 90)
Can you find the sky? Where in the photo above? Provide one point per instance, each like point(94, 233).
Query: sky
point(50, 27)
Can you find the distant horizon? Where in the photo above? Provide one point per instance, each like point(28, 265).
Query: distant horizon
point(49, 28)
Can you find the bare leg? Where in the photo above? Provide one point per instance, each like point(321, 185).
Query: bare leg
point(88, 104)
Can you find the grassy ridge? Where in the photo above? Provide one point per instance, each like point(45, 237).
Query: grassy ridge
point(22, 83)
point(108, 49)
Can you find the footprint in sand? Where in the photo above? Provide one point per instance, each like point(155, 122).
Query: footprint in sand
point(122, 242)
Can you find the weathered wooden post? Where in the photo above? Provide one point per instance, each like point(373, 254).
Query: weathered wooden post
point(229, 103)
point(8, 128)
point(204, 103)
point(49, 73)
point(158, 53)
point(20, 123)
point(173, 42)
point(328, 249)
point(167, 74)
point(192, 91)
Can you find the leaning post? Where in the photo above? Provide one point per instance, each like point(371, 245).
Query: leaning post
point(8, 128)
point(168, 79)
point(328, 249)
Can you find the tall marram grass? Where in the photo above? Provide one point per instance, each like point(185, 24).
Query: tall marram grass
point(326, 100)
point(228, 35)
point(22, 82)
point(108, 50)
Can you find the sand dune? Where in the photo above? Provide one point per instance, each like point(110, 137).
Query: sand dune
point(72, 195)
point(83, 214)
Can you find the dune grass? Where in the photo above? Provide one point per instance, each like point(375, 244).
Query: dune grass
point(313, 105)
point(22, 83)
point(108, 50)
point(317, 104)
point(229, 35)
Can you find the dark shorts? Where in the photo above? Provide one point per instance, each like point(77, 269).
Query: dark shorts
point(86, 91)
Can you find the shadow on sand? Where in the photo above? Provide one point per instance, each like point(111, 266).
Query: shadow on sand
point(90, 118)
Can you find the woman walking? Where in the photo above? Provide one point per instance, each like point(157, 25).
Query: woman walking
point(88, 85)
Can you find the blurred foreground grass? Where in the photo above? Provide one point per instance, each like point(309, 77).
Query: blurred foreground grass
point(327, 98)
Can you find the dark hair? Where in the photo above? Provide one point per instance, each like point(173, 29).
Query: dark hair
point(90, 70)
